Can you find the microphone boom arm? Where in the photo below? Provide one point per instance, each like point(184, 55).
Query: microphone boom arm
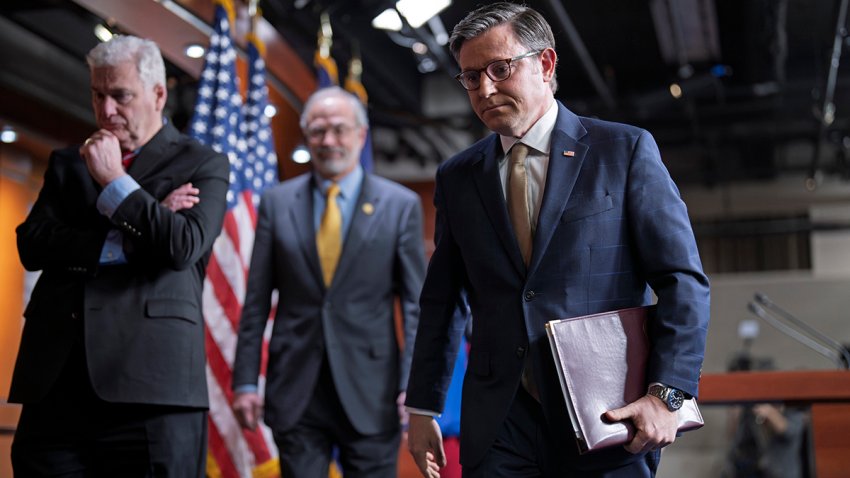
point(786, 329)
point(807, 329)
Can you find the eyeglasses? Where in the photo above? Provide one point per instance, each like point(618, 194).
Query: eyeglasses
point(499, 70)
point(339, 130)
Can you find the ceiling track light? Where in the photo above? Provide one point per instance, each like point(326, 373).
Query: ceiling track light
point(417, 12)
point(102, 32)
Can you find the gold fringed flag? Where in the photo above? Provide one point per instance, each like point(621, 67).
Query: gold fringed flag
point(354, 85)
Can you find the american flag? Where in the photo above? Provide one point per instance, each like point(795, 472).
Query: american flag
point(244, 135)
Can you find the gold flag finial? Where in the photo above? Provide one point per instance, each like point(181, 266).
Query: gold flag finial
point(325, 36)
point(254, 14)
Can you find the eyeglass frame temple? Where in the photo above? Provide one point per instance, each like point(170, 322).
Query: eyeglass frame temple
point(509, 61)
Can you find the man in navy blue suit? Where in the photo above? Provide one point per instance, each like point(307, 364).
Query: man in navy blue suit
point(552, 216)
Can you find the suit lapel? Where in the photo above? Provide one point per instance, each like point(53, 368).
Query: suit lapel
point(566, 156)
point(489, 185)
point(156, 152)
point(362, 226)
point(301, 214)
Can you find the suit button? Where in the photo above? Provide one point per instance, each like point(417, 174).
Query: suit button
point(75, 315)
point(529, 296)
point(520, 352)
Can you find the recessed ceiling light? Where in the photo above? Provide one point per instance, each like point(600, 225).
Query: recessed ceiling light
point(8, 135)
point(300, 155)
point(676, 90)
point(195, 51)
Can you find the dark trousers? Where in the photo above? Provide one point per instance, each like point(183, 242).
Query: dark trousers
point(305, 451)
point(525, 448)
point(73, 433)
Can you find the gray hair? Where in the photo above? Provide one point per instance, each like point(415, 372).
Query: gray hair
point(360, 115)
point(125, 48)
point(529, 26)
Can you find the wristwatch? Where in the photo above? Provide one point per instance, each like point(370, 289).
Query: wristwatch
point(672, 397)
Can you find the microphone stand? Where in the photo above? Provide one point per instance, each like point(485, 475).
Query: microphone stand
point(806, 328)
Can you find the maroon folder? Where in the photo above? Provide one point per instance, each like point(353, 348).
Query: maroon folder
point(601, 361)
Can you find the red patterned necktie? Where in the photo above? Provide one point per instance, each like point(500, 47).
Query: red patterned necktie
point(127, 159)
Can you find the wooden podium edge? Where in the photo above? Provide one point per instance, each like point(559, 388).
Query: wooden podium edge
point(808, 386)
point(827, 392)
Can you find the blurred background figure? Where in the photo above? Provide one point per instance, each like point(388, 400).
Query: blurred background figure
point(767, 440)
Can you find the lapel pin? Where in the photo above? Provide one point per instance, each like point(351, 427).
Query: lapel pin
point(368, 209)
point(569, 153)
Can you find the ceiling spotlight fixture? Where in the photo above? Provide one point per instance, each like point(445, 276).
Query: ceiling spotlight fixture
point(102, 32)
point(676, 90)
point(8, 135)
point(300, 155)
point(194, 50)
point(387, 20)
point(418, 12)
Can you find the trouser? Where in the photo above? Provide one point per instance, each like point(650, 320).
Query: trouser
point(525, 448)
point(306, 450)
point(73, 433)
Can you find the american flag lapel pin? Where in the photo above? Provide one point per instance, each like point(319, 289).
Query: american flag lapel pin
point(569, 153)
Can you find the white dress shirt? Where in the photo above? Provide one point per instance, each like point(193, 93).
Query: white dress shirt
point(538, 140)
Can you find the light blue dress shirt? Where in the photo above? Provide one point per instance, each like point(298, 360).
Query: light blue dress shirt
point(107, 202)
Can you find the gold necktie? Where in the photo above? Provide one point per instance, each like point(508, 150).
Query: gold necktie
point(329, 238)
point(518, 207)
point(520, 212)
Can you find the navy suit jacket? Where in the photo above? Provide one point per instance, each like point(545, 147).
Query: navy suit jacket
point(351, 322)
point(611, 226)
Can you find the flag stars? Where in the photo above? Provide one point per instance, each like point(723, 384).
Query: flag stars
point(241, 131)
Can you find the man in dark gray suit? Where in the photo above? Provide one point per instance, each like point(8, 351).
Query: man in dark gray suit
point(552, 216)
point(338, 245)
point(111, 364)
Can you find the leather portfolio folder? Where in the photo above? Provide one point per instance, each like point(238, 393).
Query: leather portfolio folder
point(601, 361)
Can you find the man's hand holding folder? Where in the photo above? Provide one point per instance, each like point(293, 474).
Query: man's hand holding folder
point(601, 361)
point(655, 425)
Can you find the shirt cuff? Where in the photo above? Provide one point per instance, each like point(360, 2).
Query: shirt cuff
point(246, 388)
point(113, 248)
point(419, 411)
point(114, 193)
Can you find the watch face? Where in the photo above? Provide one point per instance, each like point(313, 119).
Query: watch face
point(675, 399)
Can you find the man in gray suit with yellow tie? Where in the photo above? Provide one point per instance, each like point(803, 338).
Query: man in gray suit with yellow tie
point(339, 245)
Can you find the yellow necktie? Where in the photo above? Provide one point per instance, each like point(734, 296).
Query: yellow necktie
point(329, 238)
point(518, 207)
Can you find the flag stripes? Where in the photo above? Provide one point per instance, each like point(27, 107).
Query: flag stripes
point(243, 133)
